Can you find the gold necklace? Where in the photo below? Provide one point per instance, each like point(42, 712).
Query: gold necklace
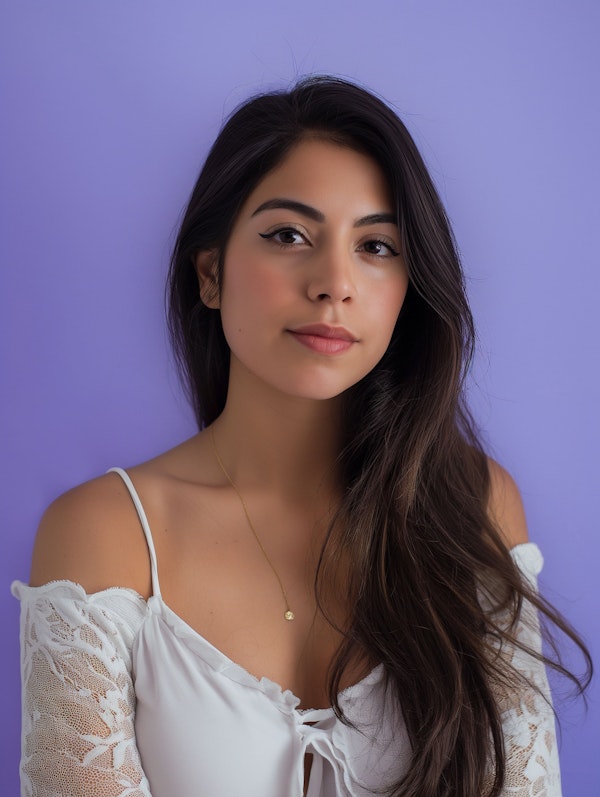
point(288, 614)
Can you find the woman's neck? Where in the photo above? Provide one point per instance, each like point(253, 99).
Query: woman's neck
point(289, 444)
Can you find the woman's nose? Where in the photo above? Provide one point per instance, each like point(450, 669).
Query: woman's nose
point(332, 277)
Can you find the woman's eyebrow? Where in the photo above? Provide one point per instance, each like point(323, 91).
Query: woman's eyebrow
point(291, 204)
point(316, 215)
point(376, 218)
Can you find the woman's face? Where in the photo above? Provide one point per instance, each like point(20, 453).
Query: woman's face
point(313, 278)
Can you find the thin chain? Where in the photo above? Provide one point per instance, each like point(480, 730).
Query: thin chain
point(288, 614)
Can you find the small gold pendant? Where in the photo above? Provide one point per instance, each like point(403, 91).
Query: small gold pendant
point(289, 615)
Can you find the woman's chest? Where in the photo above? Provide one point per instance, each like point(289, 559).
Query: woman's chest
point(235, 594)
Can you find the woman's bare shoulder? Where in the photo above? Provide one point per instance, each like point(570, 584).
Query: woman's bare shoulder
point(91, 535)
point(505, 506)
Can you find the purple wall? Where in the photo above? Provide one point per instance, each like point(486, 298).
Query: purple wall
point(107, 111)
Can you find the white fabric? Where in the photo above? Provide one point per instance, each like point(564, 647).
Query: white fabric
point(121, 698)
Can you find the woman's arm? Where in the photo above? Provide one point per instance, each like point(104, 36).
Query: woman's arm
point(78, 734)
point(532, 763)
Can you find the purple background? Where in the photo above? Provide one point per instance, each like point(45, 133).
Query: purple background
point(107, 111)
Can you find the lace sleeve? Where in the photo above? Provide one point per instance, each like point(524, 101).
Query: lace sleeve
point(78, 737)
point(532, 764)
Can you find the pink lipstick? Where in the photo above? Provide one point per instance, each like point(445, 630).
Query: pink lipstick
point(323, 338)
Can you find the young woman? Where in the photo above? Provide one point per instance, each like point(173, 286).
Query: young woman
point(328, 590)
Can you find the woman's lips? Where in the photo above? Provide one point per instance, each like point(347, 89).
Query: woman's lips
point(323, 338)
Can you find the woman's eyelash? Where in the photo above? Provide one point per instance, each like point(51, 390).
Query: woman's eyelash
point(291, 231)
point(281, 231)
point(381, 242)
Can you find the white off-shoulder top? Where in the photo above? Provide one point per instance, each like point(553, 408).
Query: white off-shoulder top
point(121, 698)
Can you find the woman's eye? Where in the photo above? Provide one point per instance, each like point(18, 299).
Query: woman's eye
point(380, 248)
point(285, 236)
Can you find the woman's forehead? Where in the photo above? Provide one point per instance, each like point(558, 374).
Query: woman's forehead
point(322, 174)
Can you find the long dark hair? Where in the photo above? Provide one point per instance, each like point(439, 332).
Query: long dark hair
point(416, 481)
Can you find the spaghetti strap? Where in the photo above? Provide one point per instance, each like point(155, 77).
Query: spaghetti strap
point(145, 526)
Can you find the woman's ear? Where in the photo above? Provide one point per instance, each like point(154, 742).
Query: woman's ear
point(205, 264)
